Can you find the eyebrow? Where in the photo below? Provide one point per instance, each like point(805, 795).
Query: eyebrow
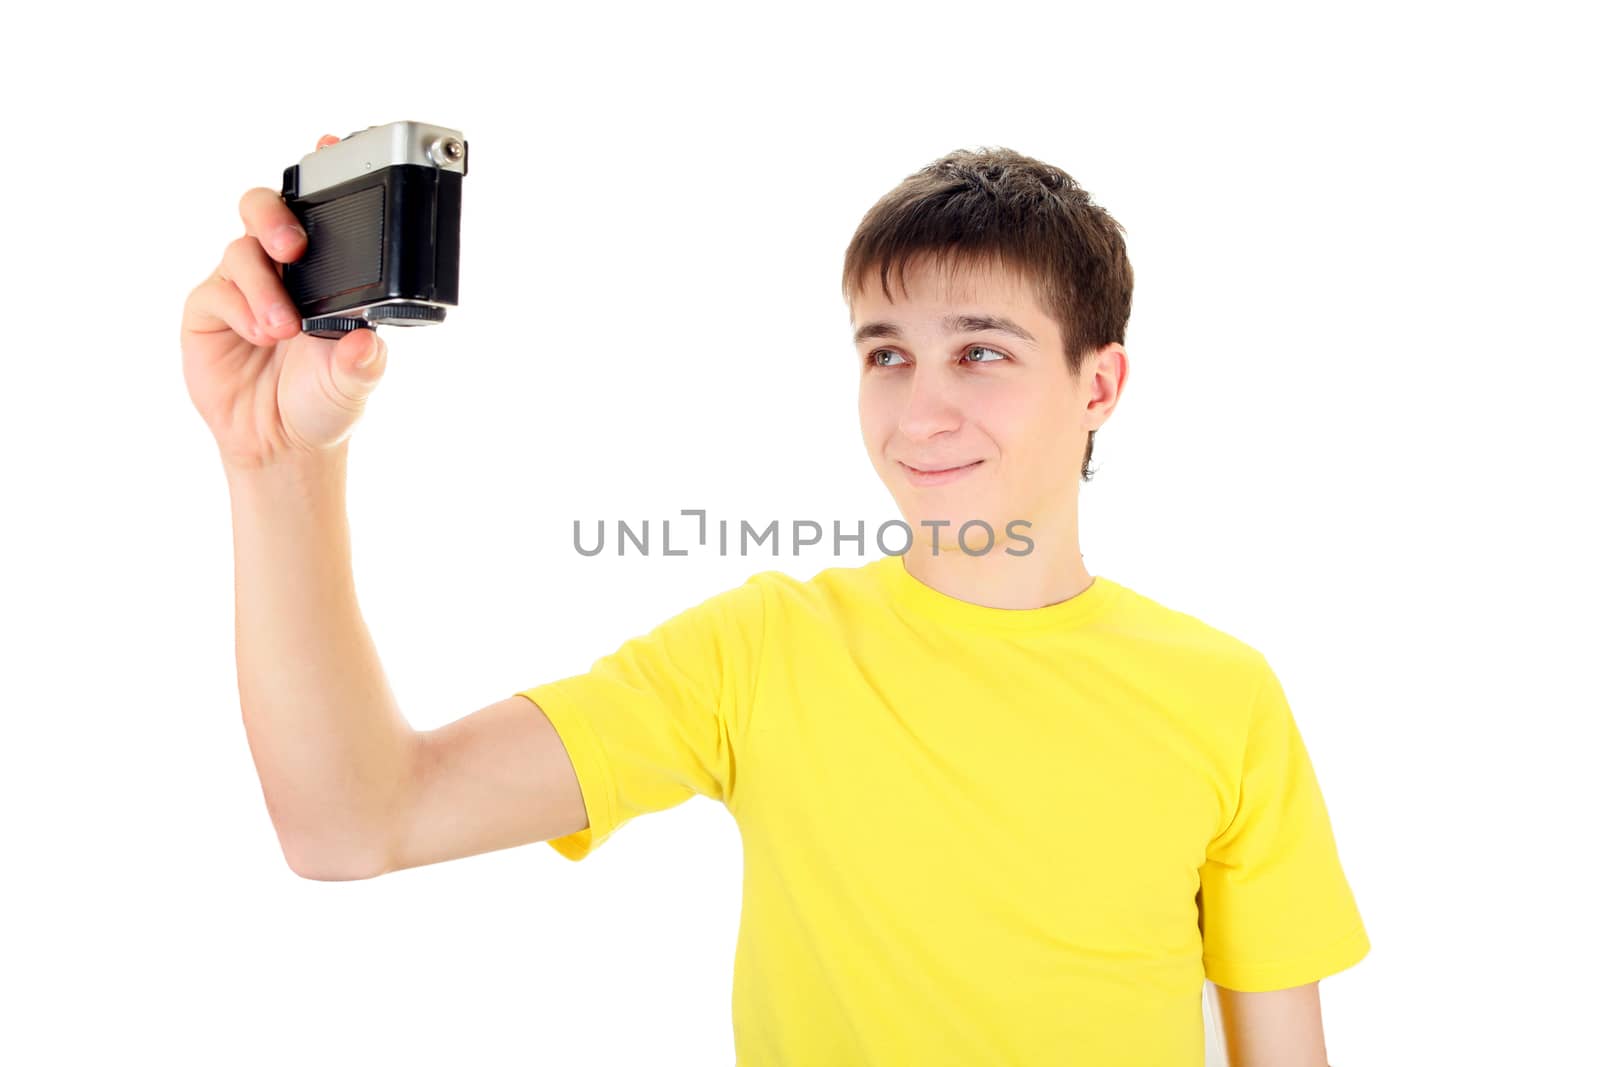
point(952, 324)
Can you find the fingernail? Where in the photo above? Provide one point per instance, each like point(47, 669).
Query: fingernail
point(278, 315)
point(372, 352)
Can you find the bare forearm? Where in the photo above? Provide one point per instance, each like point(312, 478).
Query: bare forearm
point(328, 739)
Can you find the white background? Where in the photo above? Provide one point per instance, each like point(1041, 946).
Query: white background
point(1357, 434)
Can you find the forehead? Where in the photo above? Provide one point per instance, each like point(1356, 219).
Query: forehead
point(929, 285)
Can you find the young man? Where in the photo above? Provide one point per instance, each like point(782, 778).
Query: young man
point(994, 809)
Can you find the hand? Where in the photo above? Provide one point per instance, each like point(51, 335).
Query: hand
point(268, 392)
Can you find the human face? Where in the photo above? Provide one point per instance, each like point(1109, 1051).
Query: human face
point(948, 386)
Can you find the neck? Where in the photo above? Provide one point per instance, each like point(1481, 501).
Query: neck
point(1052, 570)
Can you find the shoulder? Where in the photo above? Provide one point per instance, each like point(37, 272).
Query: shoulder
point(769, 595)
point(1194, 653)
point(1160, 622)
point(829, 589)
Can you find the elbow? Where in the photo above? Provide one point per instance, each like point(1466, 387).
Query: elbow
point(330, 865)
point(321, 848)
point(330, 874)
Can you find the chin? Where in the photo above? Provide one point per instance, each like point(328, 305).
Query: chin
point(917, 511)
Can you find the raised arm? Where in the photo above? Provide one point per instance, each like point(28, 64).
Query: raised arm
point(351, 788)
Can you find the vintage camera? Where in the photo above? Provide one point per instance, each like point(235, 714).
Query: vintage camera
point(382, 215)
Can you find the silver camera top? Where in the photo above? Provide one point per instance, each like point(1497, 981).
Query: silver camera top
point(376, 147)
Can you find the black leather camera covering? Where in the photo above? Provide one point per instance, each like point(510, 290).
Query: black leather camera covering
point(392, 234)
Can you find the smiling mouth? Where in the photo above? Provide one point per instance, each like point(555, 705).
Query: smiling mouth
point(941, 470)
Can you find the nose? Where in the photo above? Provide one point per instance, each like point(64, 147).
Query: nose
point(930, 406)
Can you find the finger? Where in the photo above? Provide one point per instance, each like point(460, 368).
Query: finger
point(327, 139)
point(358, 364)
point(268, 219)
point(217, 304)
point(246, 265)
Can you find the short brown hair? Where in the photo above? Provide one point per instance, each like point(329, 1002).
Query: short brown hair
point(997, 205)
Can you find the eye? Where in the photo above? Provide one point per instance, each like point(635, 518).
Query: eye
point(873, 361)
point(985, 348)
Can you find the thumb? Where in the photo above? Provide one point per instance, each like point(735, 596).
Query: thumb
point(358, 362)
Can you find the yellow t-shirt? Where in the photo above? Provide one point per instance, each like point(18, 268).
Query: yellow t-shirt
point(973, 835)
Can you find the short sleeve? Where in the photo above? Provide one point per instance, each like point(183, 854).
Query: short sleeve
point(1275, 908)
point(652, 724)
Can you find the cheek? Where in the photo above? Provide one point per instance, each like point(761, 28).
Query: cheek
point(877, 405)
point(1011, 416)
point(1026, 424)
point(877, 414)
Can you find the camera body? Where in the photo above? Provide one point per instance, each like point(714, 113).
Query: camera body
point(382, 215)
